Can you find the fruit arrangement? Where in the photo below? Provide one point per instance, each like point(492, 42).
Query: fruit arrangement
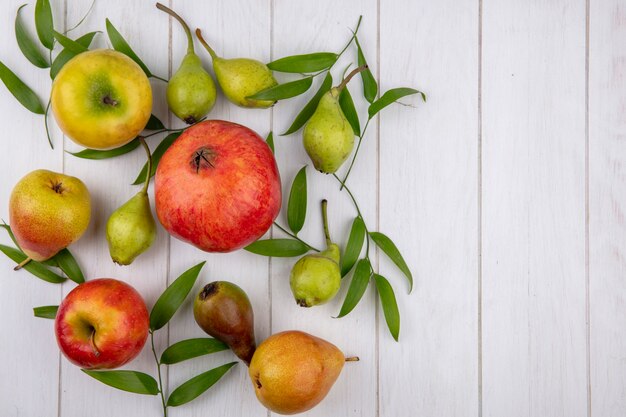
point(217, 186)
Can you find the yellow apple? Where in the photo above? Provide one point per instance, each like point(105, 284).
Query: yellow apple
point(101, 99)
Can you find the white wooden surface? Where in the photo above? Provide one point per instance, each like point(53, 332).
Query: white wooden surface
point(506, 193)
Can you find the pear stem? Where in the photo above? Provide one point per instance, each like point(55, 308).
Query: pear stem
point(349, 77)
point(172, 13)
point(205, 44)
point(352, 359)
point(149, 171)
point(21, 264)
point(325, 220)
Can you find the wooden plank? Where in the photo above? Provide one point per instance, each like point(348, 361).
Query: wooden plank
point(109, 183)
point(429, 207)
point(32, 364)
point(533, 234)
point(234, 29)
point(607, 203)
point(312, 27)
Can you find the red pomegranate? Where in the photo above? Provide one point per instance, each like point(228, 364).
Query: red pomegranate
point(218, 187)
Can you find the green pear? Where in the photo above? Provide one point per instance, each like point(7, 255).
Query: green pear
point(315, 279)
point(240, 78)
point(131, 229)
point(191, 91)
point(328, 137)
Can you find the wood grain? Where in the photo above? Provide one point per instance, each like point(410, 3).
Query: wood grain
point(429, 207)
point(109, 184)
point(28, 343)
point(607, 204)
point(533, 236)
point(324, 26)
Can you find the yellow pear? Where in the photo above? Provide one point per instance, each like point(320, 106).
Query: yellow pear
point(293, 371)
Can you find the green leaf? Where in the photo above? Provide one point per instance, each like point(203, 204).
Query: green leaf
point(270, 141)
point(131, 381)
point(69, 266)
point(347, 106)
point(44, 23)
point(284, 91)
point(296, 208)
point(111, 153)
point(27, 44)
point(370, 87)
point(390, 97)
point(10, 232)
point(308, 110)
point(46, 312)
point(20, 91)
point(390, 306)
point(390, 249)
point(154, 123)
point(70, 44)
point(354, 245)
point(120, 45)
point(281, 248)
point(304, 63)
point(173, 297)
point(197, 385)
point(66, 54)
point(358, 285)
point(156, 157)
point(35, 268)
point(191, 348)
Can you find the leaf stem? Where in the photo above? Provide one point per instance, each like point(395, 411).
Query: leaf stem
point(45, 121)
point(296, 237)
point(149, 172)
point(159, 78)
point(158, 364)
point(352, 38)
point(358, 146)
point(358, 210)
point(325, 220)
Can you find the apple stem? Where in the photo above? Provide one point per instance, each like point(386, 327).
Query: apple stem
point(205, 44)
point(352, 359)
point(172, 13)
point(149, 171)
point(93, 343)
point(325, 220)
point(21, 264)
point(349, 77)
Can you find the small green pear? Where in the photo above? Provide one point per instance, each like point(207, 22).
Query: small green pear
point(315, 279)
point(131, 229)
point(240, 78)
point(328, 137)
point(191, 91)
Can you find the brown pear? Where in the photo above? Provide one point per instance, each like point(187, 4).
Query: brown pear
point(223, 310)
point(293, 371)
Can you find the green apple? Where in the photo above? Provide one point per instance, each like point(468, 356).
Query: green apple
point(101, 99)
point(48, 212)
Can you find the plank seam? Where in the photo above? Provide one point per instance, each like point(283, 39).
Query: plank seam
point(376, 308)
point(587, 300)
point(480, 215)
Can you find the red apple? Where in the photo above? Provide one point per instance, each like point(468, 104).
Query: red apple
point(102, 324)
point(218, 187)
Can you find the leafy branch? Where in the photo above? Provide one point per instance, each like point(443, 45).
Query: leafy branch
point(140, 383)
